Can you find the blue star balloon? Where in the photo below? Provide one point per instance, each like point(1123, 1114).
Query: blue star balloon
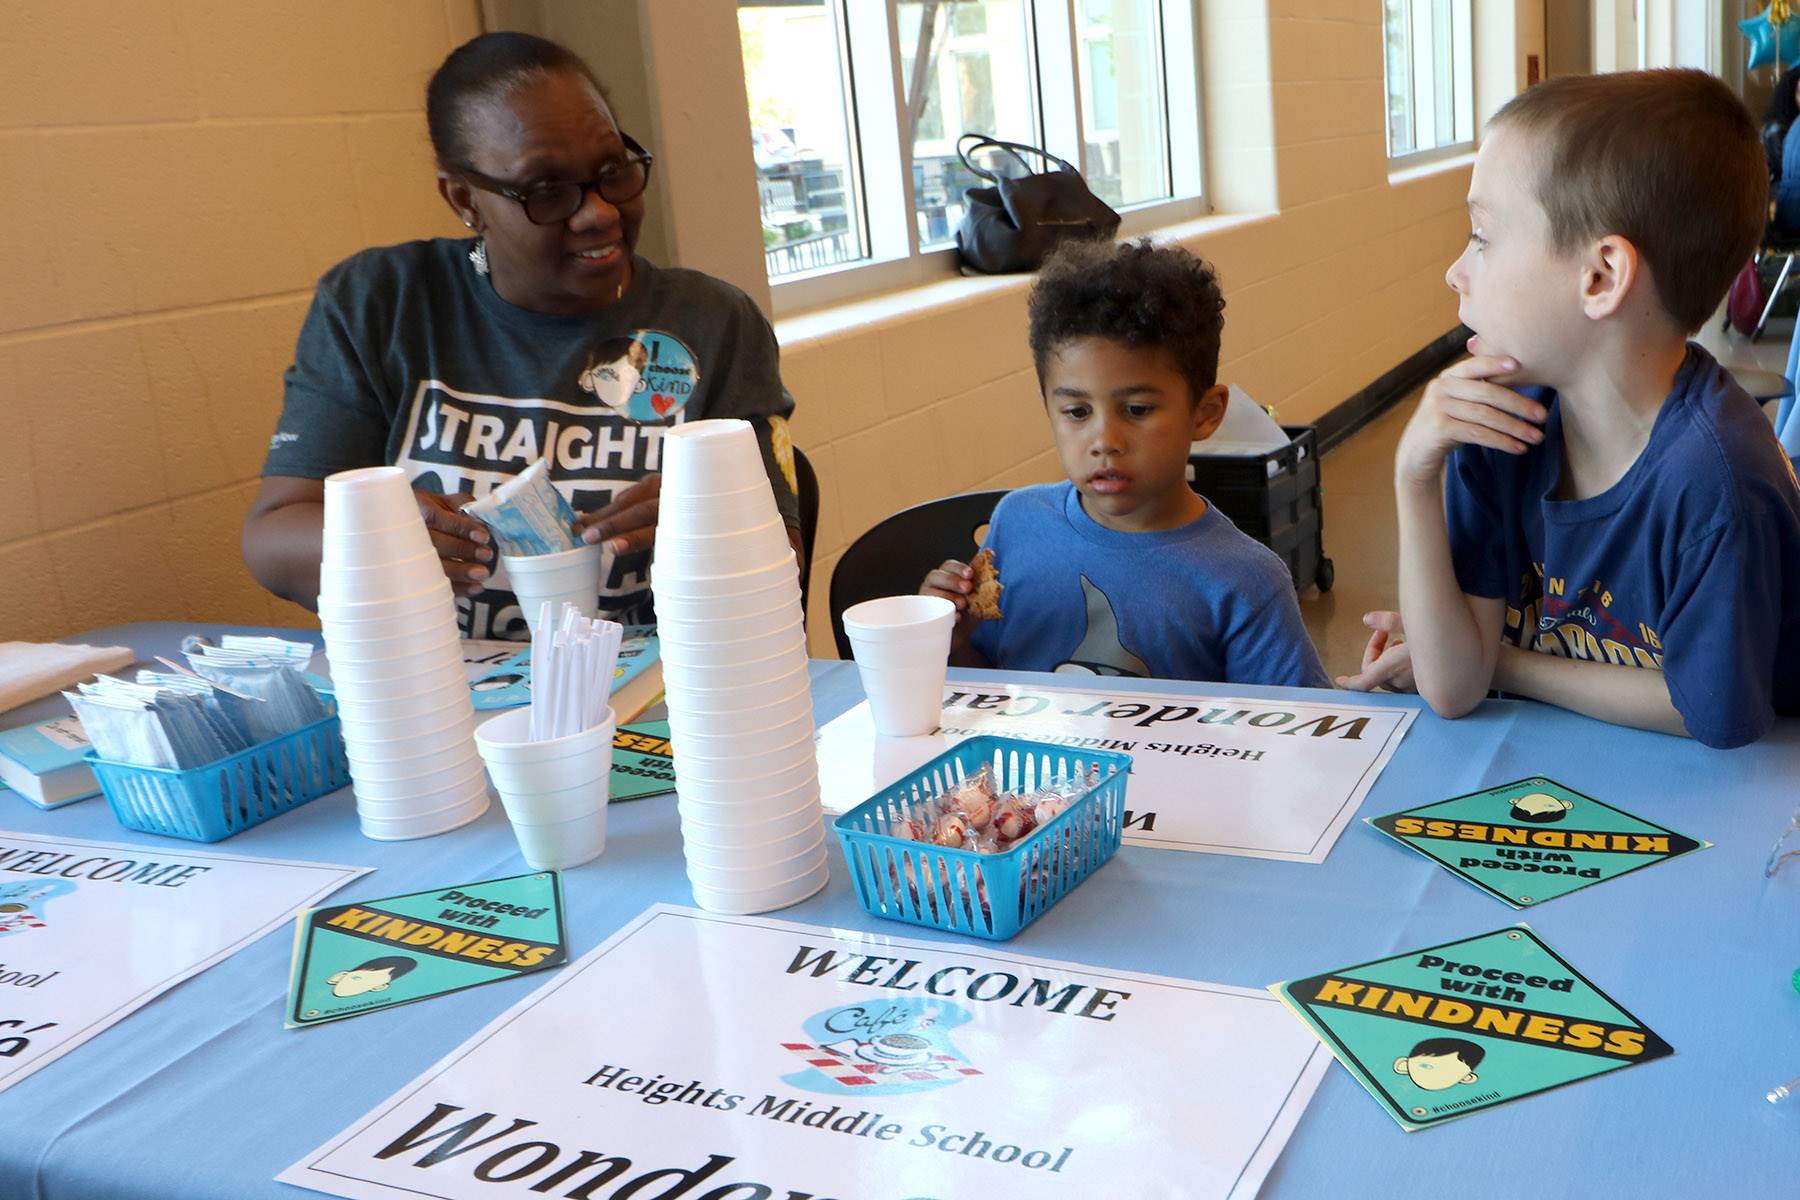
point(1769, 41)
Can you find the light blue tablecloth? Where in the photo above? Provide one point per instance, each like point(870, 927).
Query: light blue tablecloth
point(202, 1094)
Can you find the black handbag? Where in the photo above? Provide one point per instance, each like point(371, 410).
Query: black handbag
point(1015, 224)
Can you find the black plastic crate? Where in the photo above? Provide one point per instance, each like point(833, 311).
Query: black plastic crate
point(1283, 510)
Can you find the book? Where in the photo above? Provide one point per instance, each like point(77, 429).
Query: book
point(637, 680)
point(43, 762)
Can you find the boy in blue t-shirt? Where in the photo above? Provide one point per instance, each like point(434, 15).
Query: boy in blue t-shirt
point(1125, 570)
point(1619, 532)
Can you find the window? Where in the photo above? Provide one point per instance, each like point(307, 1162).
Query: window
point(800, 129)
point(857, 107)
point(1430, 75)
point(974, 78)
point(1124, 108)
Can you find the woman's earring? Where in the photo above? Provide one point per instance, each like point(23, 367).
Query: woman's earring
point(478, 257)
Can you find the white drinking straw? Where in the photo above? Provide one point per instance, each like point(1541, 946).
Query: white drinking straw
point(572, 664)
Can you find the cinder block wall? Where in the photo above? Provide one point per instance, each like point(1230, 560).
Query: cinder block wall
point(174, 177)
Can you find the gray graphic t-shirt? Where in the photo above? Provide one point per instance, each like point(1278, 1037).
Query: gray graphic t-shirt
point(409, 357)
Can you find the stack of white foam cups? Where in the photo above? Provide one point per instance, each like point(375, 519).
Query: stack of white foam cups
point(734, 669)
point(390, 634)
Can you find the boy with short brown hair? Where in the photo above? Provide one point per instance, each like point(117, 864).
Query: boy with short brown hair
point(1619, 532)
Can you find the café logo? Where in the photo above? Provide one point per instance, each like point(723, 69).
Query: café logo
point(22, 904)
point(881, 1048)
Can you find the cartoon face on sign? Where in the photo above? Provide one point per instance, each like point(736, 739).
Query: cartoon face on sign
point(372, 976)
point(22, 904)
point(1540, 808)
point(644, 376)
point(881, 1048)
point(1439, 1063)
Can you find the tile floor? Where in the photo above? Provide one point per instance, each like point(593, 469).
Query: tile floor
point(1356, 476)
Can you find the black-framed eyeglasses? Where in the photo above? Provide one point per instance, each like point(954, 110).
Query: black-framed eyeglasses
point(620, 181)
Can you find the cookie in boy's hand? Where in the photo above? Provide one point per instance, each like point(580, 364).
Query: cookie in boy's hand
point(984, 601)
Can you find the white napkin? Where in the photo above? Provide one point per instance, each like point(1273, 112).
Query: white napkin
point(29, 670)
point(1247, 429)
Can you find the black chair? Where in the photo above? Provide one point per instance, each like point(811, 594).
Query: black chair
point(807, 492)
point(1776, 243)
point(894, 557)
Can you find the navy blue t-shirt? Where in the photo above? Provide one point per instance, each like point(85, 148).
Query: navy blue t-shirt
point(1689, 564)
point(1204, 601)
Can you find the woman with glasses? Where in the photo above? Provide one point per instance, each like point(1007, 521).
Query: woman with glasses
point(543, 334)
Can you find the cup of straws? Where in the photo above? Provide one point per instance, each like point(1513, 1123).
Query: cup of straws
point(551, 760)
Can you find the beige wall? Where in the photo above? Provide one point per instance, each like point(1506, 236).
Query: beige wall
point(933, 393)
point(174, 176)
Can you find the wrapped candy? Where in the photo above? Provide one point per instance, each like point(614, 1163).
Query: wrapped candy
point(976, 808)
point(1049, 806)
point(951, 830)
point(976, 815)
point(1013, 819)
point(908, 828)
point(975, 797)
point(982, 841)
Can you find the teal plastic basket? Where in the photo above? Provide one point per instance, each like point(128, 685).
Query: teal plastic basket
point(990, 896)
point(210, 803)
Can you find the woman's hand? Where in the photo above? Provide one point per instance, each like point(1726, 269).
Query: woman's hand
point(462, 542)
point(1386, 661)
point(954, 581)
point(628, 522)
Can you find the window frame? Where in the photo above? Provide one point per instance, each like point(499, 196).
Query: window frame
point(881, 150)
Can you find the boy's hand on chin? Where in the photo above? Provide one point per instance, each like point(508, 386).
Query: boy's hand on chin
point(1387, 659)
point(954, 581)
point(1464, 406)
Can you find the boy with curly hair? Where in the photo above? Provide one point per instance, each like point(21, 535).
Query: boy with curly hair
point(1124, 569)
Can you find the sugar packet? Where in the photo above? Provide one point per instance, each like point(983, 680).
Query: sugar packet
point(526, 514)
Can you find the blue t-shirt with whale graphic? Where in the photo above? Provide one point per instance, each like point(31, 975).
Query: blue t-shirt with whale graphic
point(1204, 601)
point(1690, 564)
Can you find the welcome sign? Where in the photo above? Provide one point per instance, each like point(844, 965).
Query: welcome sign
point(1254, 777)
point(731, 1058)
point(74, 958)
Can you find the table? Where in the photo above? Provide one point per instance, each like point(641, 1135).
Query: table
point(203, 1095)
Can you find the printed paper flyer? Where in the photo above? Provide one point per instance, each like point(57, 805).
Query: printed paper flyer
point(77, 919)
point(351, 959)
point(1533, 840)
point(1449, 1030)
point(744, 1057)
point(1260, 778)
